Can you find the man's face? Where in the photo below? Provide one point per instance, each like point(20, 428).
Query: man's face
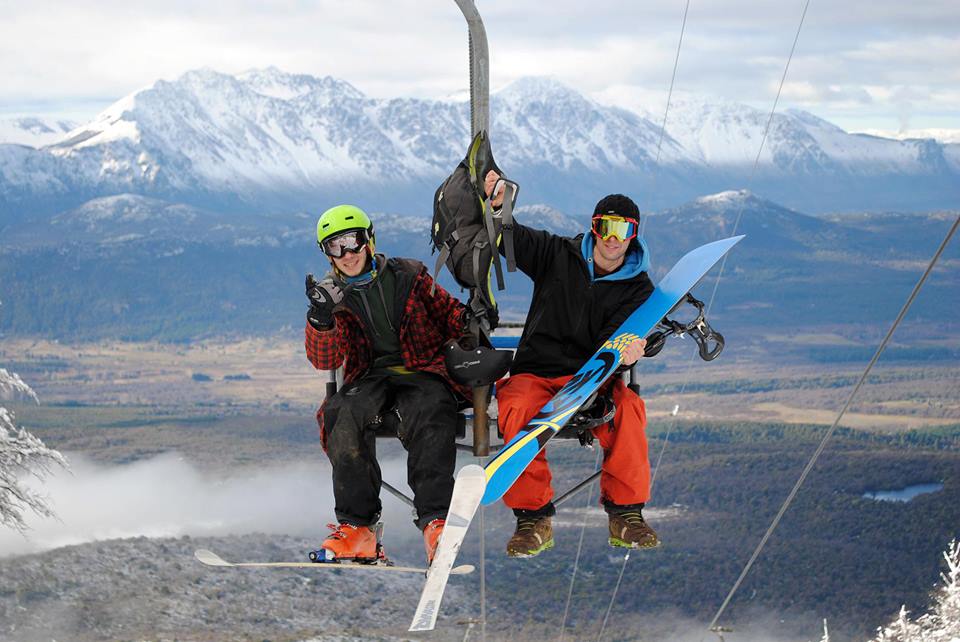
point(351, 263)
point(611, 250)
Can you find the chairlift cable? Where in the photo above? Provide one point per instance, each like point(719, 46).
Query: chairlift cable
point(576, 559)
point(756, 161)
point(663, 125)
point(616, 588)
point(656, 171)
point(483, 577)
point(736, 225)
point(826, 437)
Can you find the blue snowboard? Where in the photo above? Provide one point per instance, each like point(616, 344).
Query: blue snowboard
point(504, 469)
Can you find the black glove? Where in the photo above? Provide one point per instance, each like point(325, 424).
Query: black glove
point(324, 296)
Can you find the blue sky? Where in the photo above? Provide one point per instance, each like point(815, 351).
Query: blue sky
point(880, 64)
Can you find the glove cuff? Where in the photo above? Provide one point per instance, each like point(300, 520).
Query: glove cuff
point(317, 322)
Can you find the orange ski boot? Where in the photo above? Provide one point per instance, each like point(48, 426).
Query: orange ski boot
point(431, 537)
point(349, 543)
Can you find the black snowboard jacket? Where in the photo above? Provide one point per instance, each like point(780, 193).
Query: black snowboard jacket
point(572, 312)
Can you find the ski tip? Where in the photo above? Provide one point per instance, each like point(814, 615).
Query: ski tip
point(728, 242)
point(210, 558)
point(463, 569)
point(472, 471)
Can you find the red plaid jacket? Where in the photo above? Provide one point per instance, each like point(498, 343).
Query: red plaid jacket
point(427, 324)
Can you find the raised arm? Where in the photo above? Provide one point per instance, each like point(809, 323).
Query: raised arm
point(534, 249)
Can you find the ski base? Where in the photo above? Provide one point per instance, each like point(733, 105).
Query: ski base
point(467, 491)
point(212, 559)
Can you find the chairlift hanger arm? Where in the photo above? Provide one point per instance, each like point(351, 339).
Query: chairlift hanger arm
point(479, 68)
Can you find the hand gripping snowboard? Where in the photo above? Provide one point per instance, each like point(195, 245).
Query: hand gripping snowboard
point(504, 469)
point(467, 491)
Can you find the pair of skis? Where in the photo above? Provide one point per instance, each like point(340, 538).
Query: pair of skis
point(467, 491)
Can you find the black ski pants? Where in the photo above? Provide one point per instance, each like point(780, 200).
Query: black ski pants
point(427, 410)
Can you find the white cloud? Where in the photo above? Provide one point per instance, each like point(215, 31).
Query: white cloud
point(736, 49)
point(168, 497)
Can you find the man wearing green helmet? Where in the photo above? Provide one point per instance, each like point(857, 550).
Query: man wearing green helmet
point(383, 321)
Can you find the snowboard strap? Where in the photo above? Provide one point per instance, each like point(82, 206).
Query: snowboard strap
point(709, 342)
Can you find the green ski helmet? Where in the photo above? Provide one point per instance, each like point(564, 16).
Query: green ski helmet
point(343, 218)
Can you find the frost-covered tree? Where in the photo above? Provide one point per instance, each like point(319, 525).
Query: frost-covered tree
point(21, 455)
point(942, 622)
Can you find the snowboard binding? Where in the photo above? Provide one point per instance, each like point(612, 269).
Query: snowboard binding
point(709, 342)
point(597, 411)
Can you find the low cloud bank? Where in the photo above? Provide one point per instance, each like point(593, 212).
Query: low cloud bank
point(166, 496)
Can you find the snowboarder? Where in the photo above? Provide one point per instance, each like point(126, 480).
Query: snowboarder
point(381, 319)
point(584, 288)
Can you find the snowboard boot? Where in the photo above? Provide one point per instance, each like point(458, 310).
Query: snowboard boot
point(431, 538)
point(629, 530)
point(533, 536)
point(349, 543)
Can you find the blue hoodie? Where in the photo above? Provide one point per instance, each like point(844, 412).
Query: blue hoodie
point(637, 260)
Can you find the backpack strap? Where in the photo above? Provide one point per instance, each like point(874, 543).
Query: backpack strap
point(480, 161)
point(442, 257)
point(511, 189)
point(492, 237)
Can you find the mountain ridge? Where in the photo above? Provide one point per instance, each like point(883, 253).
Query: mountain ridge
point(792, 271)
point(265, 139)
point(268, 139)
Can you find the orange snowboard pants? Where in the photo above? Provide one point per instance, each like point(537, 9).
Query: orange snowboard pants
point(625, 474)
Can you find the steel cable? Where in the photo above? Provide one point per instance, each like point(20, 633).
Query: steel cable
point(663, 125)
point(826, 437)
point(736, 227)
point(656, 171)
point(576, 560)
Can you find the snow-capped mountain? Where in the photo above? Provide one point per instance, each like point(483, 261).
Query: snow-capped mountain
point(270, 140)
point(33, 132)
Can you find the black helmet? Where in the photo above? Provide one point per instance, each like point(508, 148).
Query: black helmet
point(479, 366)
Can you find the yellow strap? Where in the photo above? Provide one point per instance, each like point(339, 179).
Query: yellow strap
point(400, 370)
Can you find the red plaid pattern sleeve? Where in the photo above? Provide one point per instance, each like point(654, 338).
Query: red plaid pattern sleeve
point(442, 306)
point(324, 348)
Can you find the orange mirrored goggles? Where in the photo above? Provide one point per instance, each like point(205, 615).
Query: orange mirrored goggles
point(606, 226)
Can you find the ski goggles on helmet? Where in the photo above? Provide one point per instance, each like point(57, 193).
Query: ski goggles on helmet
point(349, 241)
point(606, 226)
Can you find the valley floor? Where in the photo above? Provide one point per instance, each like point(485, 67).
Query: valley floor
point(215, 445)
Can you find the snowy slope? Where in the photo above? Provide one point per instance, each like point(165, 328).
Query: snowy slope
point(540, 120)
point(722, 134)
point(33, 132)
